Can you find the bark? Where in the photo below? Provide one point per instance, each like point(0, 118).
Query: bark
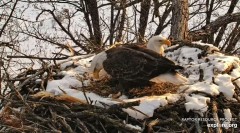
point(87, 19)
point(93, 11)
point(122, 22)
point(180, 15)
point(145, 7)
point(112, 26)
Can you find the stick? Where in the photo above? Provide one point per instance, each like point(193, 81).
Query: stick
point(215, 116)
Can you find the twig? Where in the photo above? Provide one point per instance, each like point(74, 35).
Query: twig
point(40, 58)
point(66, 125)
point(197, 125)
point(235, 79)
point(201, 75)
point(84, 93)
point(115, 123)
point(10, 16)
point(83, 126)
point(125, 104)
point(215, 116)
point(103, 127)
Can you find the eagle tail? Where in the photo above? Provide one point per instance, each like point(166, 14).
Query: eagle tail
point(174, 78)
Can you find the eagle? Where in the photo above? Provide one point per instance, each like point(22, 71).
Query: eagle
point(129, 64)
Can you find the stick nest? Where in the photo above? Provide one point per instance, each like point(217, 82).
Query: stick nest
point(23, 111)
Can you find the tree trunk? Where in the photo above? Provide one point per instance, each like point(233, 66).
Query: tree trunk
point(180, 15)
point(87, 19)
point(145, 7)
point(122, 22)
point(93, 11)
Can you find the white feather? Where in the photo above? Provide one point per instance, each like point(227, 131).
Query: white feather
point(172, 78)
point(154, 44)
point(97, 62)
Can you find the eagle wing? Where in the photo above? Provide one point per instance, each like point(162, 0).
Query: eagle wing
point(131, 65)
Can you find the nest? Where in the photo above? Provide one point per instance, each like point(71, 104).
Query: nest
point(106, 87)
point(27, 110)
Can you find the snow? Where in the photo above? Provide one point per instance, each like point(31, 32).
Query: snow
point(208, 88)
point(146, 108)
point(215, 81)
point(56, 86)
point(188, 56)
point(216, 78)
point(197, 103)
point(225, 85)
point(236, 74)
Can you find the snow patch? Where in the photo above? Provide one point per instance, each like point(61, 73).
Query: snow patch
point(197, 103)
point(225, 85)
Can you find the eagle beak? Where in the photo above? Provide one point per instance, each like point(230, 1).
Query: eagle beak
point(96, 73)
point(167, 42)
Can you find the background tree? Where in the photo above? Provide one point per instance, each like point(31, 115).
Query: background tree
point(180, 13)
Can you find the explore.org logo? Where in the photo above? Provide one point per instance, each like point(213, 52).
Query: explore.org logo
point(224, 125)
point(212, 122)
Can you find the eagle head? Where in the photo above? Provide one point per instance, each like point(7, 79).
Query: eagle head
point(97, 64)
point(156, 43)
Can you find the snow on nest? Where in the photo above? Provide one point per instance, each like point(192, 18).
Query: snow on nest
point(214, 81)
point(215, 78)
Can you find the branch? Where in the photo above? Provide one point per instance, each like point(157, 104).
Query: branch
point(66, 31)
point(128, 4)
point(214, 26)
point(33, 57)
point(11, 14)
point(181, 43)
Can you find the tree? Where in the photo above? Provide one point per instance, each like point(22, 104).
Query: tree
point(180, 16)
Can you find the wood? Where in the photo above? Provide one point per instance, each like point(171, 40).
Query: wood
point(214, 26)
point(93, 11)
point(223, 28)
point(181, 43)
point(180, 16)
point(215, 116)
point(145, 7)
point(122, 22)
